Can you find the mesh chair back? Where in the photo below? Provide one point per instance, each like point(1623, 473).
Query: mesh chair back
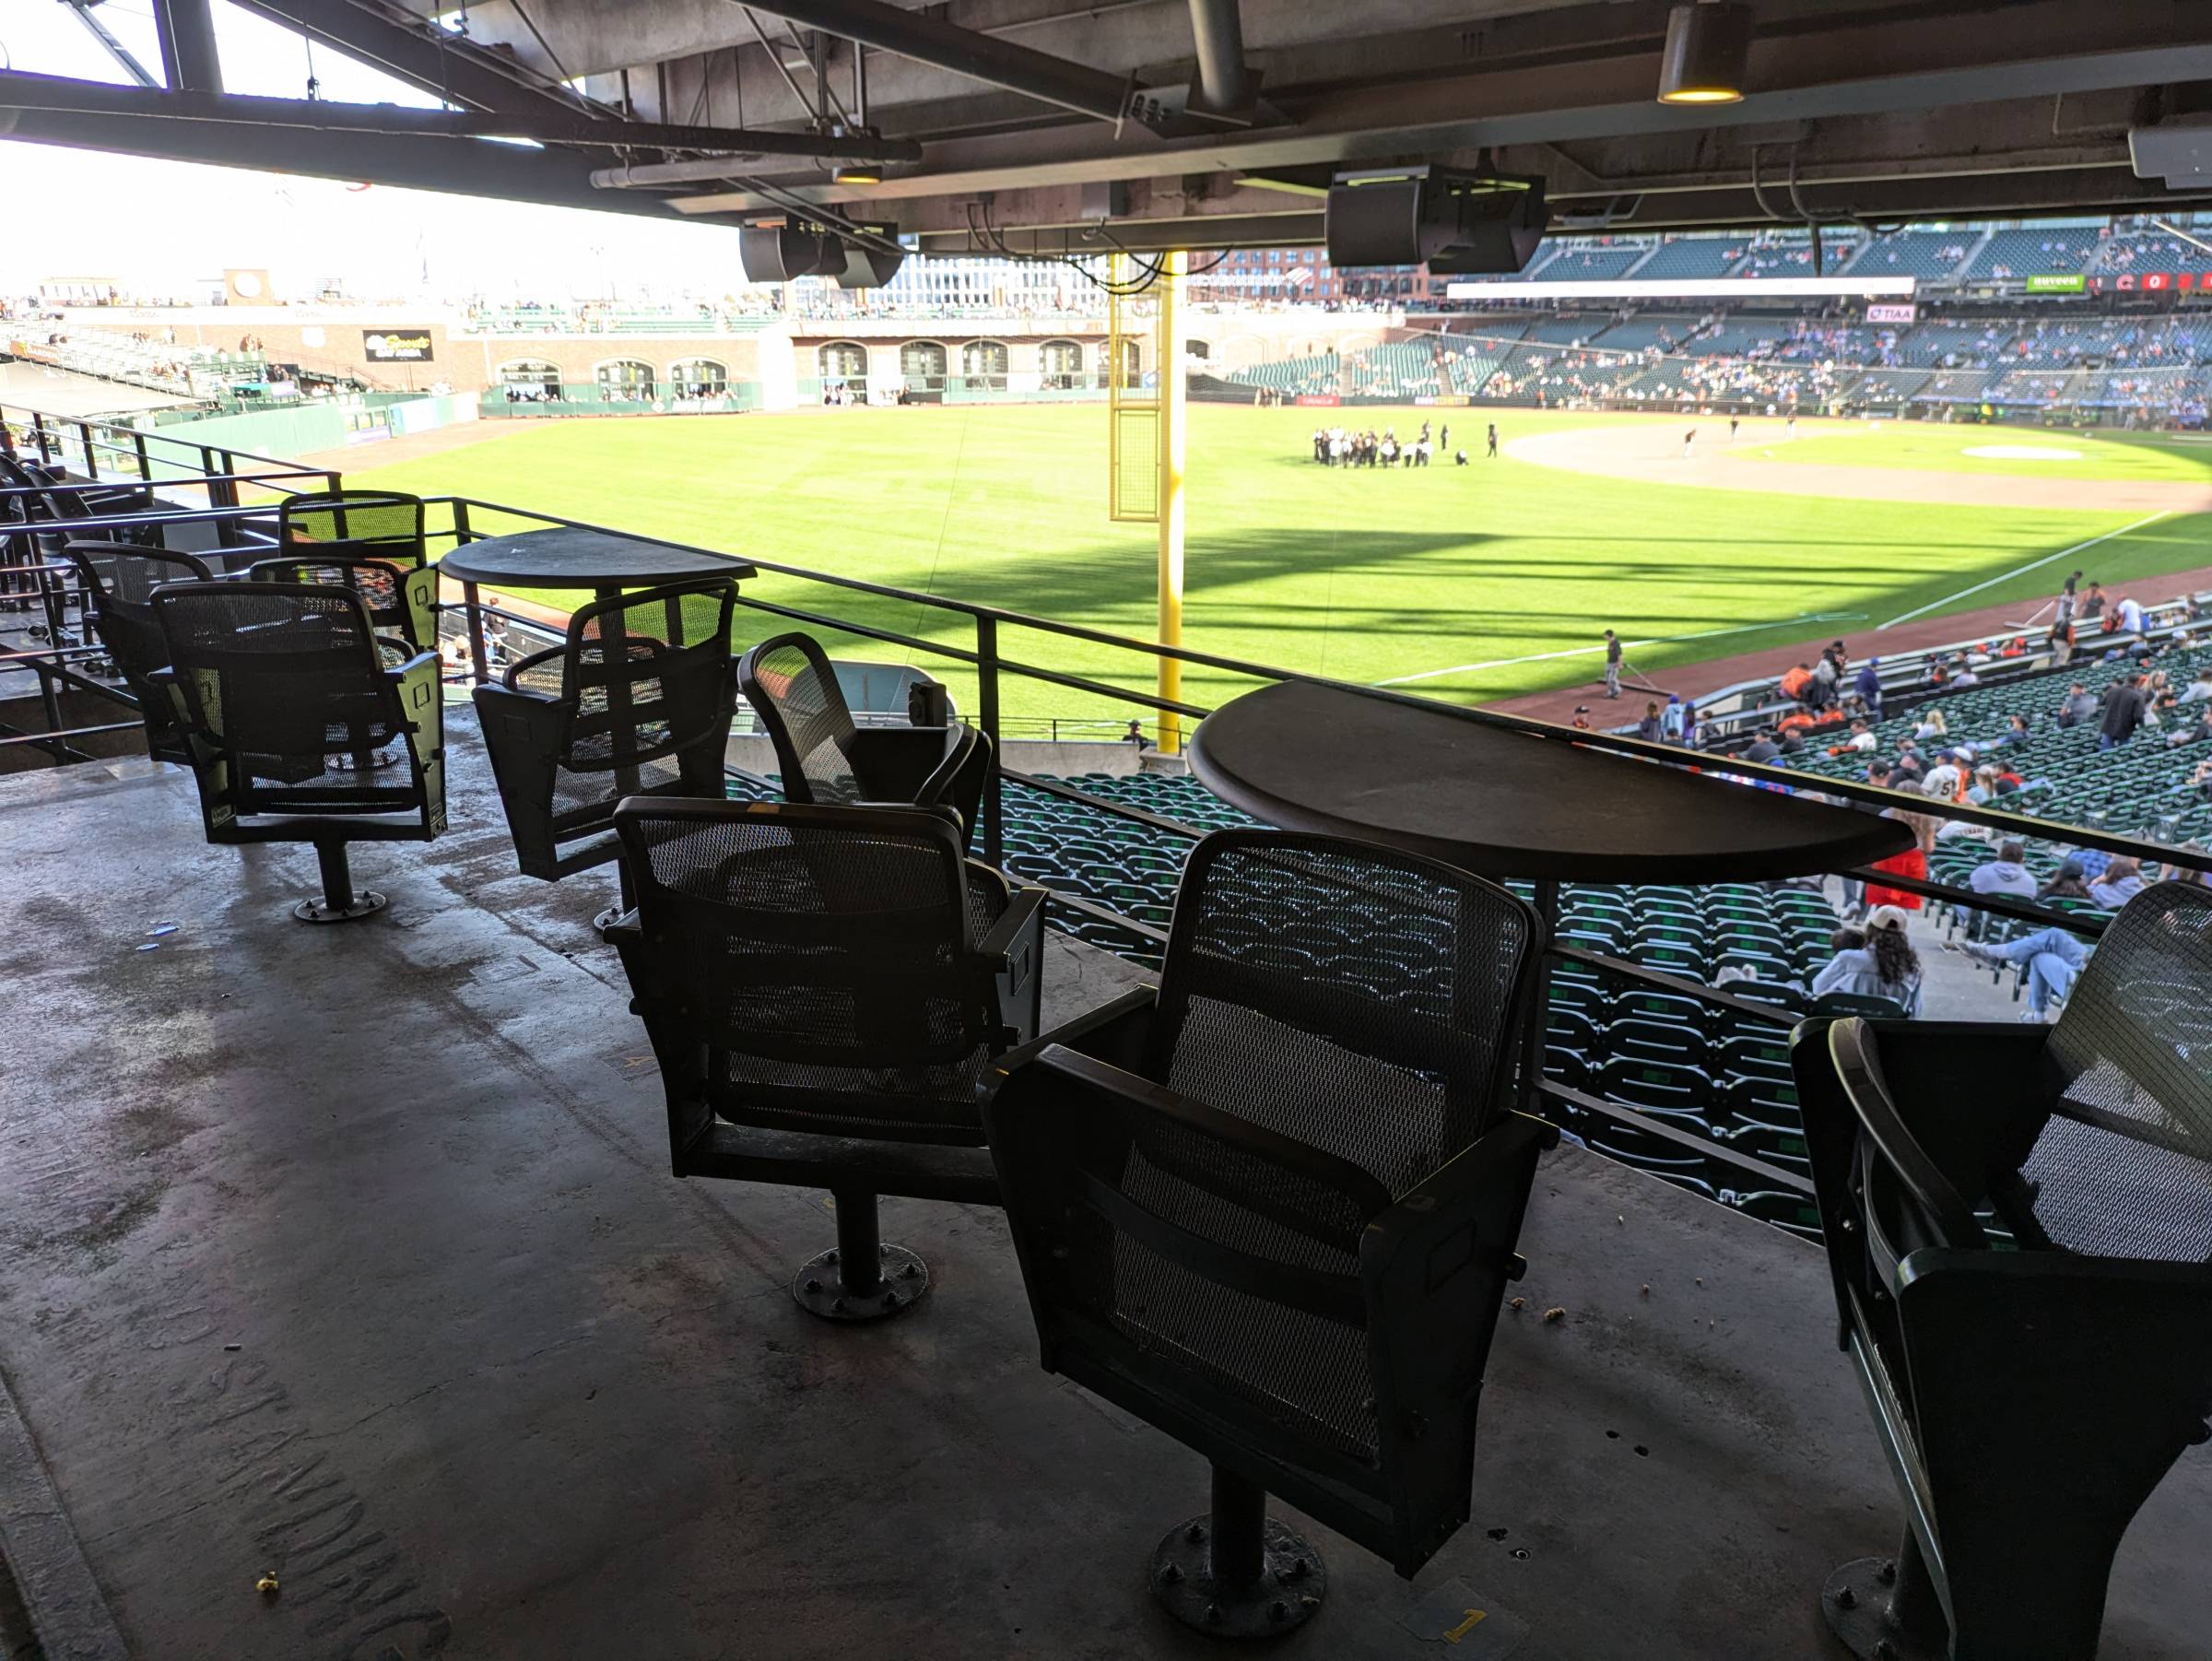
point(119, 579)
point(645, 677)
point(277, 679)
point(824, 956)
point(1379, 1079)
point(1394, 1072)
point(395, 607)
point(2124, 1166)
point(789, 681)
point(364, 524)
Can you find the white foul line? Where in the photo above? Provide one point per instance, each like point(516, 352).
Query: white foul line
point(2019, 571)
point(1657, 640)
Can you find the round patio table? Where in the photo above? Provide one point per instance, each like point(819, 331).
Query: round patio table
point(565, 556)
point(1506, 803)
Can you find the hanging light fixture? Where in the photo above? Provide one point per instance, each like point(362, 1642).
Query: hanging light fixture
point(1707, 46)
point(857, 173)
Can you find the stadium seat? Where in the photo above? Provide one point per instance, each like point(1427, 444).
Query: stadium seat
point(635, 701)
point(1277, 1220)
point(2030, 1394)
point(826, 759)
point(359, 525)
point(283, 699)
point(825, 989)
point(118, 579)
point(402, 600)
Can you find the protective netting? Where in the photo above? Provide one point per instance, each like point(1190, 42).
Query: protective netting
point(2123, 1168)
point(823, 958)
point(1394, 1074)
point(796, 693)
point(283, 681)
point(367, 524)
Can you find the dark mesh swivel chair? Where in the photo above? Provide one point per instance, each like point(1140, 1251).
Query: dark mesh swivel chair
point(359, 525)
point(2031, 1391)
point(635, 701)
point(117, 581)
point(402, 599)
point(826, 758)
point(1272, 1209)
point(283, 696)
point(825, 989)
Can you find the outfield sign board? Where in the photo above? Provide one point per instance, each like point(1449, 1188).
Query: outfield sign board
point(2057, 282)
point(1694, 288)
point(396, 345)
point(1327, 400)
point(2153, 282)
point(1892, 313)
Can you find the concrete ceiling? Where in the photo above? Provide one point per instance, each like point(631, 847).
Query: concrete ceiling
point(1026, 123)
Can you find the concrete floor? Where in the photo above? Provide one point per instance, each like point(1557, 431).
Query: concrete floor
point(351, 1253)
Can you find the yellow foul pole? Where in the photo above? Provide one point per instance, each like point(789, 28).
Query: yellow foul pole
point(1173, 401)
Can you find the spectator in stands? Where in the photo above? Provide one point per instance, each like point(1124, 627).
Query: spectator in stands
point(1887, 966)
point(1794, 682)
point(1672, 719)
point(2068, 882)
point(1944, 779)
point(1582, 718)
point(2006, 874)
point(1911, 766)
point(1763, 747)
point(1862, 736)
point(2053, 957)
point(2125, 705)
point(1964, 676)
point(1821, 691)
point(2066, 599)
point(1931, 723)
point(1693, 729)
point(2017, 732)
point(1869, 686)
point(2078, 706)
point(1613, 656)
point(2200, 690)
point(2131, 615)
point(1136, 735)
point(1984, 787)
point(1649, 729)
point(2122, 881)
point(2191, 732)
point(1879, 772)
point(1913, 862)
point(2092, 604)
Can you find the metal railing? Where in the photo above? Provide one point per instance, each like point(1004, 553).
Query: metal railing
point(470, 518)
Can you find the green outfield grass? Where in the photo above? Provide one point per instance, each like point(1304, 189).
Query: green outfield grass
point(1501, 573)
point(1946, 449)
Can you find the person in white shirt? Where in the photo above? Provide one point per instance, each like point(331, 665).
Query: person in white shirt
point(2131, 615)
point(2006, 874)
point(1862, 736)
point(2200, 690)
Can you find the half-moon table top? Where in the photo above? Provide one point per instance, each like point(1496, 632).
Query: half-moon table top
point(1503, 802)
point(566, 556)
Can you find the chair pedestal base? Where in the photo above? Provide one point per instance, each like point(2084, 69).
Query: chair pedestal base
point(1238, 1573)
point(341, 902)
point(364, 902)
point(1885, 1608)
point(901, 1281)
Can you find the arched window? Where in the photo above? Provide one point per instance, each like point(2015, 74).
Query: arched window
point(1061, 362)
point(697, 378)
point(1199, 349)
point(530, 381)
point(624, 379)
point(983, 362)
point(845, 362)
point(921, 365)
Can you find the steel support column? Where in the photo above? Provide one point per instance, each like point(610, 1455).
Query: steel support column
point(189, 60)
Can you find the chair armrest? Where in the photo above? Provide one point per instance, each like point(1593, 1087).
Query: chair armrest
point(1437, 1207)
point(1137, 1099)
point(1859, 1070)
point(1021, 909)
point(413, 666)
point(1114, 1031)
point(531, 662)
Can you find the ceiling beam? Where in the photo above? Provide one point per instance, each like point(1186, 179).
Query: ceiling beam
point(425, 56)
point(1898, 69)
point(964, 52)
point(24, 91)
point(556, 178)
